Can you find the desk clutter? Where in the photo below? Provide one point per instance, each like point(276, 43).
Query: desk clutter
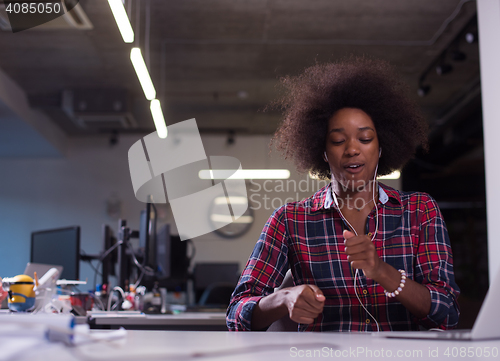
point(146, 270)
point(143, 280)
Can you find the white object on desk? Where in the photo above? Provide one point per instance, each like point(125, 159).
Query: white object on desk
point(70, 282)
point(485, 327)
point(49, 278)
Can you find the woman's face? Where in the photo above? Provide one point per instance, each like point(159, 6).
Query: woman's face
point(352, 148)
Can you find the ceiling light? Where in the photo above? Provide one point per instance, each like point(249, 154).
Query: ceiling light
point(231, 200)
point(157, 114)
point(443, 69)
point(242, 94)
point(394, 175)
point(142, 73)
point(244, 174)
point(122, 20)
point(471, 37)
point(423, 90)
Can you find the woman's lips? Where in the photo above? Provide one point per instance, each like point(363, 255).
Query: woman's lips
point(354, 169)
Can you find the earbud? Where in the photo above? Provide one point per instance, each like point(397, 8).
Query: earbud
point(326, 158)
point(379, 152)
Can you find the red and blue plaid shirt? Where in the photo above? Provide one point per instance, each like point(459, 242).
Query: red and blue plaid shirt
point(306, 236)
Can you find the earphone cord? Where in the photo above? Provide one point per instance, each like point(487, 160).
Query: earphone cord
point(373, 237)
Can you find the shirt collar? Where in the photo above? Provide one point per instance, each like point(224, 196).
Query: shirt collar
point(325, 198)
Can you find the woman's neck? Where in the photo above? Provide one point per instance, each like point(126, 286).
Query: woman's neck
point(355, 197)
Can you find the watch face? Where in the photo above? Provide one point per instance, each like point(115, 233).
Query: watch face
point(219, 217)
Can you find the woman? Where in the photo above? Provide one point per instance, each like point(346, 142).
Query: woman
point(364, 256)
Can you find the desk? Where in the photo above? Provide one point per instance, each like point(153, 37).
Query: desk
point(187, 321)
point(258, 346)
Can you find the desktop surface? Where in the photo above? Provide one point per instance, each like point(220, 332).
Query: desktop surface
point(185, 321)
point(276, 346)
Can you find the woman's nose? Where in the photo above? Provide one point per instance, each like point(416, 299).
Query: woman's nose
point(352, 148)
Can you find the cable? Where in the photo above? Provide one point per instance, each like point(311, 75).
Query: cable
point(145, 269)
point(373, 237)
point(110, 299)
point(101, 259)
point(99, 301)
point(109, 250)
point(95, 275)
point(136, 284)
point(95, 269)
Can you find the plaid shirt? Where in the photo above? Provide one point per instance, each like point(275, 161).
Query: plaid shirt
point(307, 237)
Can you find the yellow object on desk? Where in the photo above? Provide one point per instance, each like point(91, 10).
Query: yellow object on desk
point(21, 295)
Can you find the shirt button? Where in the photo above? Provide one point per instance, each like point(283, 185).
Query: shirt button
point(367, 321)
point(365, 292)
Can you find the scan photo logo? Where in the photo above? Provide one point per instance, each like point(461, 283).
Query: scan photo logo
point(168, 171)
point(27, 14)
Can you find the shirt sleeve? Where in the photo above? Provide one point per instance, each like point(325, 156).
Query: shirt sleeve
point(434, 269)
point(263, 272)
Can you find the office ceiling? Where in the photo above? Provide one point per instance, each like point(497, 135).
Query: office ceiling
point(219, 60)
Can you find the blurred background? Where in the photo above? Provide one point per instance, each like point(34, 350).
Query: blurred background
point(71, 106)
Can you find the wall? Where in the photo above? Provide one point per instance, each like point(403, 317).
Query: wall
point(38, 194)
point(489, 51)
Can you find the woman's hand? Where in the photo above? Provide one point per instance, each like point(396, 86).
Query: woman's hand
point(304, 303)
point(361, 253)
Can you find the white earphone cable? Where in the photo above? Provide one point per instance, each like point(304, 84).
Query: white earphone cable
point(373, 237)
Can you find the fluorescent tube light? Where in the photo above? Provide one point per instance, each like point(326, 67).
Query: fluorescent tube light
point(244, 174)
point(142, 73)
point(231, 200)
point(122, 20)
point(394, 175)
point(158, 118)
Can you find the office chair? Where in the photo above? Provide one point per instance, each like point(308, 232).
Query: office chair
point(217, 294)
point(220, 277)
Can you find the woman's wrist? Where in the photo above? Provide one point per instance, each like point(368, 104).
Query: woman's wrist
point(387, 276)
point(269, 309)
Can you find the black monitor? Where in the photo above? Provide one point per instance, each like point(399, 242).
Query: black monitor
point(58, 247)
point(171, 256)
point(207, 274)
point(172, 261)
point(147, 235)
point(163, 253)
point(108, 262)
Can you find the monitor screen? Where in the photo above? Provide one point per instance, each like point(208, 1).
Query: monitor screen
point(108, 262)
point(58, 247)
point(147, 235)
point(163, 252)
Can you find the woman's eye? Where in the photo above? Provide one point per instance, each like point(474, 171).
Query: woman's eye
point(337, 142)
point(366, 140)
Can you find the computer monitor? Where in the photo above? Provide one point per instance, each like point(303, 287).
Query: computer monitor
point(179, 259)
point(147, 235)
point(207, 274)
point(172, 261)
point(108, 262)
point(163, 253)
point(58, 247)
